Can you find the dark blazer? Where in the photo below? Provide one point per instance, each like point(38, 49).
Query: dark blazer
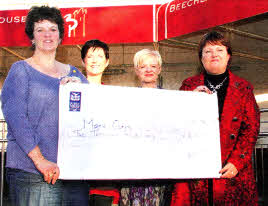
point(239, 128)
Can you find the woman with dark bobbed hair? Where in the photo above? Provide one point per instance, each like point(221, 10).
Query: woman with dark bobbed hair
point(239, 126)
point(30, 103)
point(95, 58)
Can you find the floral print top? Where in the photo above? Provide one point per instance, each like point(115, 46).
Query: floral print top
point(142, 196)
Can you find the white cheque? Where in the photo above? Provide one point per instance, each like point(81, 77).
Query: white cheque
point(112, 132)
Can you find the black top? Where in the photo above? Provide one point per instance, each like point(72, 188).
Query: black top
point(221, 92)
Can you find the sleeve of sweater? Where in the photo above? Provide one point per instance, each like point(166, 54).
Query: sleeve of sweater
point(14, 106)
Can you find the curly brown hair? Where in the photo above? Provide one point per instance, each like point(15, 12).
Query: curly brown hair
point(40, 13)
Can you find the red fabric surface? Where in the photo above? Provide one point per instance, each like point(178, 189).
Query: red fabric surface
point(239, 129)
point(109, 193)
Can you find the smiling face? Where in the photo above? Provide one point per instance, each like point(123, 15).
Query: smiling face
point(215, 58)
point(148, 69)
point(46, 36)
point(95, 61)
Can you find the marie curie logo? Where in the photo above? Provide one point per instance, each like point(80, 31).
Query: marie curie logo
point(75, 101)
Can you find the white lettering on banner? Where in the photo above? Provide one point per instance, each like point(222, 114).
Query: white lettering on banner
point(185, 4)
point(70, 27)
point(74, 19)
point(12, 19)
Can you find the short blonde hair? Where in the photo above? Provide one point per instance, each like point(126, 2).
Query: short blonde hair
point(146, 52)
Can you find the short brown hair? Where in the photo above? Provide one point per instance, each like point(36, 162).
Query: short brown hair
point(214, 38)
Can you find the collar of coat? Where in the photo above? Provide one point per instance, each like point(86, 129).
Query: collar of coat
point(235, 82)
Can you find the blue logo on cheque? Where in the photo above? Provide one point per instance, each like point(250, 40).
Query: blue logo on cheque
point(75, 101)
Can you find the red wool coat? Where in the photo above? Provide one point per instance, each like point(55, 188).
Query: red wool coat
point(239, 127)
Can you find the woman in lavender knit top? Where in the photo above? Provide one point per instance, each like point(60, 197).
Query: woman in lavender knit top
point(30, 104)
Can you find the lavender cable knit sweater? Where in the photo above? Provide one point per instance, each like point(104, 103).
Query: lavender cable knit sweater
point(30, 104)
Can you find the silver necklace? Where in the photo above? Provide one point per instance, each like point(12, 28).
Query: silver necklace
point(218, 86)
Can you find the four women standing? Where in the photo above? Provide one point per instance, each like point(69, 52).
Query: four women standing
point(30, 107)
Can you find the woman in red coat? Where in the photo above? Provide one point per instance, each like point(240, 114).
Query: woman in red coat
point(239, 127)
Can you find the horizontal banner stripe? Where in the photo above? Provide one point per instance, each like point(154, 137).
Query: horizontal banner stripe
point(27, 4)
point(135, 24)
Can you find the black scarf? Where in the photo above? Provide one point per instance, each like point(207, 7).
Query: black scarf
point(221, 92)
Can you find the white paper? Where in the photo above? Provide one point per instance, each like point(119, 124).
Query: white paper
point(137, 133)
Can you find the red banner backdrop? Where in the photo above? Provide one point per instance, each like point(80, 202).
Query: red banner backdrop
point(137, 23)
point(185, 16)
point(118, 24)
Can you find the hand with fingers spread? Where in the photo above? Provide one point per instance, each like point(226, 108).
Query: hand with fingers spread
point(68, 79)
point(202, 88)
point(228, 171)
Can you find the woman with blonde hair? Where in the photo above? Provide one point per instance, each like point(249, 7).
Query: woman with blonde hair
point(147, 66)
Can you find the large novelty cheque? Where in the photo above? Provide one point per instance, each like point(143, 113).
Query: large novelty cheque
point(112, 132)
